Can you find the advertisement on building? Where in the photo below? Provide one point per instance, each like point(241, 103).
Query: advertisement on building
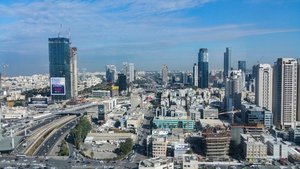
point(58, 86)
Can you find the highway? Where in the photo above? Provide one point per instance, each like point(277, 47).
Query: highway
point(51, 140)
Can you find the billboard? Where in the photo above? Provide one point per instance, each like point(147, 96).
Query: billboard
point(58, 85)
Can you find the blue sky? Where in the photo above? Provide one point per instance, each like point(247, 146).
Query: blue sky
point(148, 33)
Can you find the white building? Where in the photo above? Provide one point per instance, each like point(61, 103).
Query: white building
point(234, 86)
point(285, 92)
point(73, 71)
point(253, 149)
point(157, 163)
point(131, 72)
point(100, 93)
point(195, 75)
point(263, 89)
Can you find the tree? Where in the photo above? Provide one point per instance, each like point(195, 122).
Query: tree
point(126, 146)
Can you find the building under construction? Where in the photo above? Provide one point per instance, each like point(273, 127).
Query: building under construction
point(215, 141)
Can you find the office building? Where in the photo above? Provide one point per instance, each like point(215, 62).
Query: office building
point(111, 73)
point(227, 64)
point(59, 68)
point(195, 75)
point(203, 68)
point(285, 92)
point(131, 72)
point(242, 65)
point(101, 112)
point(164, 74)
point(122, 81)
point(235, 84)
point(263, 86)
point(174, 122)
point(73, 68)
point(252, 114)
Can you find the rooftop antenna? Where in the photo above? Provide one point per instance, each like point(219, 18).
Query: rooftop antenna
point(69, 35)
point(59, 32)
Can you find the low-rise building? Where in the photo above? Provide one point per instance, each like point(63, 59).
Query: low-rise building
point(183, 122)
point(157, 163)
point(253, 149)
point(100, 93)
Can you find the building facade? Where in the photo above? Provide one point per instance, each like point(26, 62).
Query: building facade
point(285, 92)
point(111, 73)
point(242, 65)
point(203, 69)
point(263, 86)
point(195, 75)
point(227, 64)
point(164, 74)
point(59, 65)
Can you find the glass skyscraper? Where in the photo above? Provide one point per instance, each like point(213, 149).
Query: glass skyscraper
point(242, 65)
point(227, 64)
point(59, 64)
point(203, 68)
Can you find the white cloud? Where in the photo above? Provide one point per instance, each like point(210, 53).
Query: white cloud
point(139, 28)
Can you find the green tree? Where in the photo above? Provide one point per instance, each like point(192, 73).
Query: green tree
point(126, 146)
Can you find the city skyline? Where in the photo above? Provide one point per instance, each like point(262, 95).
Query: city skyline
point(113, 32)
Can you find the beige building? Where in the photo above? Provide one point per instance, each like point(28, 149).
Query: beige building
point(159, 147)
point(254, 150)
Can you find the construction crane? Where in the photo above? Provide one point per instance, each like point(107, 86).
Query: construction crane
point(232, 112)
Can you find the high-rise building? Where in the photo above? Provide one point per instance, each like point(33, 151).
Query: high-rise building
point(195, 75)
point(59, 68)
point(122, 82)
point(164, 74)
point(298, 93)
point(242, 65)
point(203, 68)
point(131, 72)
point(73, 68)
point(285, 92)
point(234, 85)
point(227, 64)
point(263, 86)
point(111, 73)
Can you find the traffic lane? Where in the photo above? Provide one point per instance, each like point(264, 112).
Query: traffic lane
point(51, 141)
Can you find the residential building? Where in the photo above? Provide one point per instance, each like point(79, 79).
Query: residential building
point(254, 150)
point(235, 84)
point(164, 74)
point(263, 86)
point(285, 92)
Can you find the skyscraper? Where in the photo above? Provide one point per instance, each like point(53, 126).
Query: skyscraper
point(195, 75)
point(234, 85)
point(203, 68)
point(73, 68)
point(111, 73)
point(242, 65)
point(131, 72)
point(285, 92)
point(263, 86)
point(227, 63)
point(122, 82)
point(164, 74)
point(59, 68)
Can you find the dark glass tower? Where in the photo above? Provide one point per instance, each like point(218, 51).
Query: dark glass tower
point(59, 64)
point(122, 81)
point(203, 68)
point(227, 64)
point(242, 65)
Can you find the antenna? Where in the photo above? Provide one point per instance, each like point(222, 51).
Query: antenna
point(69, 35)
point(59, 32)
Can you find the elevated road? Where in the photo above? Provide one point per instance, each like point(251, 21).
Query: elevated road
point(35, 140)
point(45, 148)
